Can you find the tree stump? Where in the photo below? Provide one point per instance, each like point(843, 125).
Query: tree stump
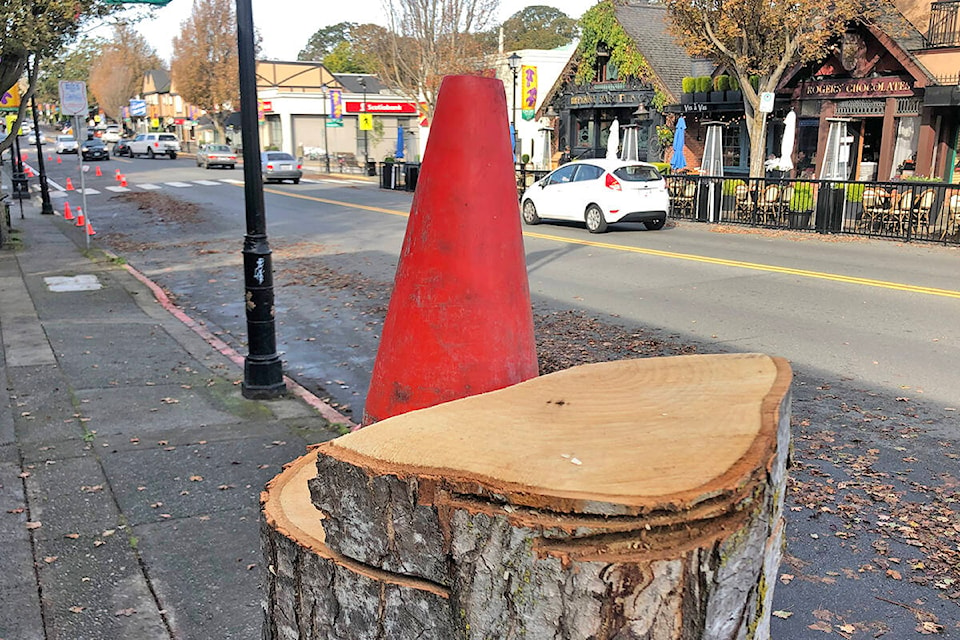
point(639, 499)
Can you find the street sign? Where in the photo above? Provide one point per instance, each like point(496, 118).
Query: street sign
point(73, 98)
point(138, 107)
point(366, 122)
point(766, 102)
point(11, 99)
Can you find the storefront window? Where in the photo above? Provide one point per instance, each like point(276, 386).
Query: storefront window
point(732, 146)
point(583, 132)
point(905, 149)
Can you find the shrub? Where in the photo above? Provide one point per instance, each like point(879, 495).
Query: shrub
point(755, 82)
point(689, 84)
point(662, 167)
point(388, 159)
point(734, 83)
point(802, 198)
point(271, 147)
point(729, 187)
point(525, 158)
point(855, 192)
point(721, 83)
point(704, 83)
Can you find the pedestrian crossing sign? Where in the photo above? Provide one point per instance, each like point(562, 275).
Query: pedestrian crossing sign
point(366, 122)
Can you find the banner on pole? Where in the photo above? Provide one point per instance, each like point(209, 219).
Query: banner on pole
point(529, 95)
point(335, 108)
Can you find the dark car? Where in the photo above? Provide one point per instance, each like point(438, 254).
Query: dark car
point(279, 166)
point(94, 149)
point(122, 147)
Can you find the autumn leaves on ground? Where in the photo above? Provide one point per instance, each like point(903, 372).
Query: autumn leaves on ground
point(872, 512)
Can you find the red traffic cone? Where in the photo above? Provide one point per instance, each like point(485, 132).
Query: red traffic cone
point(81, 221)
point(69, 186)
point(29, 172)
point(98, 173)
point(462, 264)
point(49, 157)
point(90, 231)
point(23, 157)
point(118, 176)
point(123, 181)
point(59, 160)
point(67, 214)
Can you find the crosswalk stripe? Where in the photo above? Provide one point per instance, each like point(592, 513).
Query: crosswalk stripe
point(118, 189)
point(88, 192)
point(232, 181)
point(180, 185)
point(149, 187)
point(207, 183)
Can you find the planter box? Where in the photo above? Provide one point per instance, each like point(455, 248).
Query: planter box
point(686, 98)
point(798, 219)
point(717, 96)
point(735, 96)
point(701, 96)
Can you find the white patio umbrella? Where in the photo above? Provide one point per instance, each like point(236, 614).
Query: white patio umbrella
point(613, 141)
point(785, 161)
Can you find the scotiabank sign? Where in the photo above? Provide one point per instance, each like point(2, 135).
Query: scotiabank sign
point(889, 87)
point(381, 107)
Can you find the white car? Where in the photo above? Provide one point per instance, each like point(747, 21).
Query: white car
point(111, 133)
point(155, 144)
point(599, 192)
point(67, 144)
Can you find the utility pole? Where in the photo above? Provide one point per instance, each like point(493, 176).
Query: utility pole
point(262, 368)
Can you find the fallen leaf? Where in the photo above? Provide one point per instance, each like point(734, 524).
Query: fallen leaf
point(98, 543)
point(76, 609)
point(72, 536)
point(926, 628)
point(126, 612)
point(783, 614)
point(34, 525)
point(785, 578)
point(846, 628)
point(196, 478)
point(893, 573)
point(17, 510)
point(169, 401)
point(224, 487)
point(821, 626)
point(50, 559)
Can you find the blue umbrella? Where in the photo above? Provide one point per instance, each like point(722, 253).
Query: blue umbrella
point(678, 162)
point(399, 154)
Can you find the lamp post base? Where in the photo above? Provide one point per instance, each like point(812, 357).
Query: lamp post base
point(263, 380)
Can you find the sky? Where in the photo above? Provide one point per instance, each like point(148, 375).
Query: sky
point(286, 25)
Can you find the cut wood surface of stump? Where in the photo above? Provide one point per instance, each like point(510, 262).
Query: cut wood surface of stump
point(638, 499)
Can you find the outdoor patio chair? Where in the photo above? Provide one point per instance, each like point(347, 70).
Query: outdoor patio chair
point(770, 205)
point(875, 209)
point(952, 227)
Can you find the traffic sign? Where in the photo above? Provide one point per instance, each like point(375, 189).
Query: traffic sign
point(766, 102)
point(366, 122)
point(73, 98)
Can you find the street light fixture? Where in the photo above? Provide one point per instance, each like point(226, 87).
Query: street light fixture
point(514, 62)
point(326, 112)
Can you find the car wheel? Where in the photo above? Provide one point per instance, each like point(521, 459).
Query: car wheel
point(596, 223)
point(173, 155)
point(296, 181)
point(150, 153)
point(655, 224)
point(530, 213)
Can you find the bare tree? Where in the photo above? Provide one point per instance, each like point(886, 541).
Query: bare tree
point(761, 38)
point(205, 67)
point(428, 39)
point(116, 76)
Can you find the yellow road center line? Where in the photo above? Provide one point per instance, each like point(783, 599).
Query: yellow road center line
point(754, 266)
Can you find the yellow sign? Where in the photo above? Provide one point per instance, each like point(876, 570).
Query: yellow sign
point(528, 75)
point(11, 98)
point(366, 122)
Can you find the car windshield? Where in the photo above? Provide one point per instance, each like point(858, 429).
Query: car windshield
point(217, 148)
point(280, 156)
point(96, 142)
point(168, 136)
point(66, 139)
point(637, 173)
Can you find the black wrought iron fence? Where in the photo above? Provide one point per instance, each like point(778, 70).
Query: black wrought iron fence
point(904, 210)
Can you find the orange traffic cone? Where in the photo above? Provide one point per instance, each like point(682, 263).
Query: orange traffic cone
point(23, 157)
point(462, 264)
point(117, 176)
point(67, 214)
point(69, 186)
point(80, 219)
point(49, 157)
point(59, 160)
point(98, 173)
point(90, 231)
point(123, 181)
point(29, 172)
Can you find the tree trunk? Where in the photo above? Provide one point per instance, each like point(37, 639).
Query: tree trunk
point(757, 130)
point(630, 500)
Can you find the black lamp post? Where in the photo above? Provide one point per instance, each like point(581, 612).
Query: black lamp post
point(514, 61)
point(326, 116)
point(262, 368)
point(45, 206)
point(363, 109)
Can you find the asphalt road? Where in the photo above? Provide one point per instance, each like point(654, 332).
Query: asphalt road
point(869, 326)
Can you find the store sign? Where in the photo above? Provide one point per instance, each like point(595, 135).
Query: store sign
point(381, 107)
point(608, 99)
point(266, 105)
point(885, 87)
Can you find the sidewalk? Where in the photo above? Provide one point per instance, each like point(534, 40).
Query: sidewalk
point(130, 463)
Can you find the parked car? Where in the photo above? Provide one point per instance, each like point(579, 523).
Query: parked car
point(67, 144)
point(32, 138)
point(599, 192)
point(94, 149)
point(211, 155)
point(279, 166)
point(155, 144)
point(111, 133)
point(122, 148)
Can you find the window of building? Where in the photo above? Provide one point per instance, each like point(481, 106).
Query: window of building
point(583, 130)
point(733, 146)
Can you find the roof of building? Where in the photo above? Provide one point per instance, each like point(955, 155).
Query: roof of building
point(647, 23)
point(156, 81)
point(351, 82)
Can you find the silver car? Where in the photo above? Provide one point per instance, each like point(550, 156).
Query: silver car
point(278, 166)
point(212, 155)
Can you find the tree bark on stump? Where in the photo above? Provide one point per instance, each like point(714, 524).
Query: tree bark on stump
point(639, 499)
